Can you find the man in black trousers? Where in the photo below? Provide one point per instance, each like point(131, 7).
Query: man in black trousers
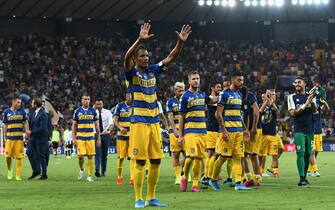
point(105, 124)
point(37, 150)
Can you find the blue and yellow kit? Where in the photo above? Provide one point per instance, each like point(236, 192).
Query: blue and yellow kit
point(145, 134)
point(232, 116)
point(85, 138)
point(14, 121)
point(193, 106)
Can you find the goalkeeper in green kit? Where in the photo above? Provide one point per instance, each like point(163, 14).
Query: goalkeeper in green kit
point(301, 107)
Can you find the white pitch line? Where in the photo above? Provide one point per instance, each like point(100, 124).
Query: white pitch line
point(295, 186)
point(295, 177)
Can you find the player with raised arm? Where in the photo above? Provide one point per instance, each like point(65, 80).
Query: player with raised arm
point(145, 132)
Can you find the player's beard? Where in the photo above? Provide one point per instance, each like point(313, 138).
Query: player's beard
point(300, 90)
point(195, 87)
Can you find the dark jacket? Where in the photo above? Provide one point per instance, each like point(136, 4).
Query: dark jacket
point(39, 126)
point(49, 126)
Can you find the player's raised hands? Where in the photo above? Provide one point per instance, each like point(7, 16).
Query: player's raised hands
point(144, 32)
point(310, 98)
point(184, 33)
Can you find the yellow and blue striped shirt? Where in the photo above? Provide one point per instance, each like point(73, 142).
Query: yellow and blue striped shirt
point(232, 103)
point(85, 119)
point(14, 122)
point(172, 106)
point(123, 111)
point(193, 105)
point(142, 87)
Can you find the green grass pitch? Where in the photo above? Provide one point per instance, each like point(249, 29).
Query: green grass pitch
point(63, 191)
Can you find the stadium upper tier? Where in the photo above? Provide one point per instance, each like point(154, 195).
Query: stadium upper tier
point(173, 10)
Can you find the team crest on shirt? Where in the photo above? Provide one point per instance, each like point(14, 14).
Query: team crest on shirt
point(192, 150)
point(225, 150)
point(175, 107)
point(135, 151)
point(190, 99)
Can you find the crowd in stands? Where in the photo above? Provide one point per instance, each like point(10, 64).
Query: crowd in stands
point(63, 67)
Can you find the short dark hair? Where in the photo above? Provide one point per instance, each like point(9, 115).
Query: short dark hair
point(85, 94)
point(16, 97)
point(213, 84)
point(192, 73)
point(99, 99)
point(141, 47)
point(299, 77)
point(38, 102)
point(237, 74)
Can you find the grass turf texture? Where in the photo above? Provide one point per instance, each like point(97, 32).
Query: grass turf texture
point(63, 191)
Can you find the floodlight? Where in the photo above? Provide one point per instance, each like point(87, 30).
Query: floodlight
point(279, 3)
point(325, 1)
point(232, 3)
point(247, 3)
point(224, 3)
point(209, 2)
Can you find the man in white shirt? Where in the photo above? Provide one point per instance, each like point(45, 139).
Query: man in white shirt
point(68, 146)
point(106, 124)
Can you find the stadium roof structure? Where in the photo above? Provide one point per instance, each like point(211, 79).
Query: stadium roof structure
point(167, 10)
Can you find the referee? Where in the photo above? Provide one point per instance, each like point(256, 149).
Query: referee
point(105, 123)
